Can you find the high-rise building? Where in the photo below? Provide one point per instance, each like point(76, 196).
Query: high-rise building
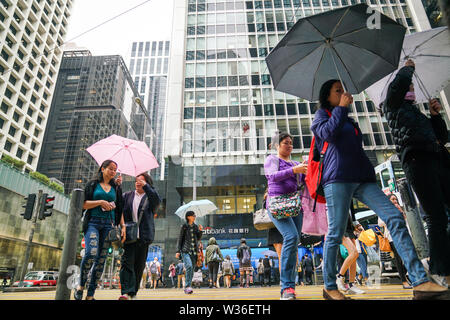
point(149, 67)
point(94, 98)
point(31, 33)
point(223, 111)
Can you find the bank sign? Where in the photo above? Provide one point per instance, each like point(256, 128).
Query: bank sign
point(231, 226)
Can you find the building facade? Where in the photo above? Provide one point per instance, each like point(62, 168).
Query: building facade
point(149, 67)
point(48, 239)
point(94, 98)
point(31, 33)
point(223, 110)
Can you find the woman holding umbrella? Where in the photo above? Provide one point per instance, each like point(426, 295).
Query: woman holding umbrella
point(139, 206)
point(104, 203)
point(420, 143)
point(190, 235)
point(347, 173)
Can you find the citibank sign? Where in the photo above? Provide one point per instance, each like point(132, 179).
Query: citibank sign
point(209, 230)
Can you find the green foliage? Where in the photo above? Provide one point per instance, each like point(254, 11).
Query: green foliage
point(40, 177)
point(19, 165)
point(56, 187)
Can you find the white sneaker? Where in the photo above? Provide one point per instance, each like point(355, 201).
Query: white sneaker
point(353, 289)
point(340, 281)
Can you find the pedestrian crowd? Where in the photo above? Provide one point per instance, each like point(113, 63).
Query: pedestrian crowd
point(346, 174)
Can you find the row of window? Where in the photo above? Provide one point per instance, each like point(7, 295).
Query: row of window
point(226, 81)
point(149, 66)
point(219, 5)
point(262, 143)
point(140, 49)
point(19, 153)
point(290, 109)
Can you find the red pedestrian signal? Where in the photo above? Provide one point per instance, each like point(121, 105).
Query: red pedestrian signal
point(45, 209)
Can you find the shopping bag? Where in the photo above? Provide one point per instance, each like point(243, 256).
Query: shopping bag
point(314, 222)
point(368, 237)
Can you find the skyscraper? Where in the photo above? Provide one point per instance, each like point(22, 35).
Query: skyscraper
point(223, 110)
point(30, 39)
point(149, 66)
point(94, 98)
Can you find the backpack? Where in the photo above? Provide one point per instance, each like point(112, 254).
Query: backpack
point(245, 255)
point(261, 268)
point(315, 168)
point(226, 266)
point(153, 268)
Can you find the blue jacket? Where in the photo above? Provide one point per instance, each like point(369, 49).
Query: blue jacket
point(345, 159)
point(147, 226)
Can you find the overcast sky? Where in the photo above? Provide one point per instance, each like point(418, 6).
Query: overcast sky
point(151, 21)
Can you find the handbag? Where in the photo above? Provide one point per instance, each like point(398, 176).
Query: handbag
point(314, 222)
point(383, 243)
point(132, 228)
point(261, 220)
point(215, 257)
point(200, 256)
point(368, 237)
point(114, 235)
point(286, 205)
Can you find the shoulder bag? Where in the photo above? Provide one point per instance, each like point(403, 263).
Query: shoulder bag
point(286, 205)
point(131, 228)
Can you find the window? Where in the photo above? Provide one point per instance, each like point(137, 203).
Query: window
point(8, 145)
point(12, 131)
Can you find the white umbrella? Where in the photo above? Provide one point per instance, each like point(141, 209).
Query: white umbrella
point(200, 207)
point(430, 51)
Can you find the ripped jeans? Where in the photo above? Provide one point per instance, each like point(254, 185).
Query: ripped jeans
point(95, 252)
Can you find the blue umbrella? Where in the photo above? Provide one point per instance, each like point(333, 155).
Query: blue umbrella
point(200, 207)
point(269, 253)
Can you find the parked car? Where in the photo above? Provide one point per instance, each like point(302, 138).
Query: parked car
point(39, 279)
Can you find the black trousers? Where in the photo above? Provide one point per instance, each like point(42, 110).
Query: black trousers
point(399, 263)
point(213, 268)
point(308, 276)
point(133, 265)
point(267, 273)
point(429, 176)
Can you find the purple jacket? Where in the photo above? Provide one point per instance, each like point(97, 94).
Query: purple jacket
point(345, 159)
point(280, 177)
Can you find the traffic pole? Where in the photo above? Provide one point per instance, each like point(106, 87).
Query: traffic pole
point(63, 287)
point(415, 223)
point(30, 239)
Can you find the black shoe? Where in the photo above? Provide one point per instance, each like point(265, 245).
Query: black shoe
point(78, 294)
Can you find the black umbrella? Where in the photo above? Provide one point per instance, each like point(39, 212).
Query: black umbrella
point(336, 44)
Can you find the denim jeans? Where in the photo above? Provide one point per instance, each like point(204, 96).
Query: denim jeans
point(338, 197)
point(95, 252)
point(362, 263)
point(290, 228)
point(189, 266)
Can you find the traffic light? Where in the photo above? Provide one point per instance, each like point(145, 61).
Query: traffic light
point(45, 209)
point(110, 250)
point(29, 206)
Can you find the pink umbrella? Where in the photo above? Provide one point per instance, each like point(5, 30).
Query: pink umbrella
point(132, 157)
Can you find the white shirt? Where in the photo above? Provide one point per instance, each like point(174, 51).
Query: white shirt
point(136, 201)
